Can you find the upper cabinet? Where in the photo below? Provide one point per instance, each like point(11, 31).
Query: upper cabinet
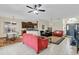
point(29, 25)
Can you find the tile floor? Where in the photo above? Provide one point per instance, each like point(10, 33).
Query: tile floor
point(63, 48)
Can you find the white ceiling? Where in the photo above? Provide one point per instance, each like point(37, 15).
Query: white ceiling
point(52, 11)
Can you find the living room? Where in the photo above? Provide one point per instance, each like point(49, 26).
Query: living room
point(20, 27)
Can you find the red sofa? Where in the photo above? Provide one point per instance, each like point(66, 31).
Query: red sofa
point(58, 33)
point(36, 42)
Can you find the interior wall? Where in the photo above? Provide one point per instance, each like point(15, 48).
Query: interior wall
point(8, 19)
point(40, 23)
point(18, 25)
point(43, 22)
point(56, 24)
point(64, 25)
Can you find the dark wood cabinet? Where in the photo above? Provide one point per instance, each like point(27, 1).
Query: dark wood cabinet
point(29, 25)
point(23, 25)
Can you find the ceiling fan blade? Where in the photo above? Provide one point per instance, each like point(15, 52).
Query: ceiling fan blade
point(30, 11)
point(29, 7)
point(39, 5)
point(35, 6)
point(42, 10)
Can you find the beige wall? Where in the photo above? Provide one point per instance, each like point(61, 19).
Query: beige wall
point(64, 24)
point(7, 19)
point(56, 24)
point(18, 25)
point(42, 22)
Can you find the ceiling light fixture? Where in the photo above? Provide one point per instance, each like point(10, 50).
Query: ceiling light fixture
point(35, 12)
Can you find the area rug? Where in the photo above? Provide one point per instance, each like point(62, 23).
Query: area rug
point(56, 40)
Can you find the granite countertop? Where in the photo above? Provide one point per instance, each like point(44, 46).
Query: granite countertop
point(32, 29)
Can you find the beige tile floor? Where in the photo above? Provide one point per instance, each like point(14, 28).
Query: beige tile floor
point(63, 48)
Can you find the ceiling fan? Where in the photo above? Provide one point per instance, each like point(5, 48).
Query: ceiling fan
point(35, 9)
